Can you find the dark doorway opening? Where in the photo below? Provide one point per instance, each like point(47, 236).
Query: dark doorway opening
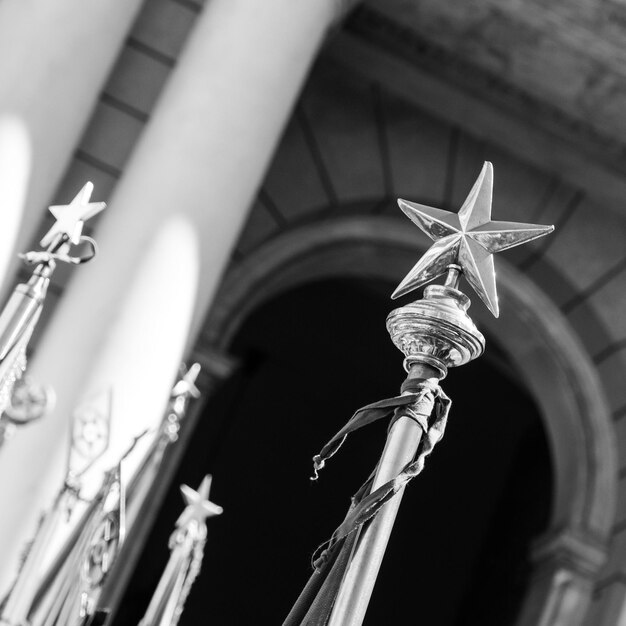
point(459, 554)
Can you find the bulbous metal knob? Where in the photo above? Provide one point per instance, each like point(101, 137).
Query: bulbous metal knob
point(436, 330)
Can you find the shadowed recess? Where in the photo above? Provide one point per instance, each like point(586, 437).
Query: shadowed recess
point(459, 553)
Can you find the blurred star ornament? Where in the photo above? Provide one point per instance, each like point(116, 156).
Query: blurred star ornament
point(187, 547)
point(184, 390)
point(199, 507)
point(141, 482)
point(145, 477)
point(21, 313)
point(71, 217)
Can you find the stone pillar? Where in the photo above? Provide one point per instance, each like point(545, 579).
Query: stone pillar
point(213, 133)
point(200, 161)
point(14, 170)
point(55, 56)
point(560, 589)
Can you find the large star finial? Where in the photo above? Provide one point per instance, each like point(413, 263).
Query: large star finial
point(199, 507)
point(70, 217)
point(467, 240)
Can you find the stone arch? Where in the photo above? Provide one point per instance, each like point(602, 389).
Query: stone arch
point(537, 337)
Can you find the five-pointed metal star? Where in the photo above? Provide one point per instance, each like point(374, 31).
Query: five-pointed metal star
point(70, 217)
point(186, 386)
point(199, 507)
point(467, 239)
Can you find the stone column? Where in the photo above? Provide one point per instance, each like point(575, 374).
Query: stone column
point(14, 170)
point(200, 162)
point(561, 586)
point(213, 133)
point(55, 56)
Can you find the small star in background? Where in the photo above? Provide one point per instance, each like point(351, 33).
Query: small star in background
point(70, 217)
point(186, 386)
point(199, 507)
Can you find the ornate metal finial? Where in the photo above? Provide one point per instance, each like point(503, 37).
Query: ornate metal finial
point(147, 471)
point(199, 507)
point(71, 217)
point(21, 313)
point(465, 242)
point(186, 386)
point(436, 330)
point(434, 333)
point(184, 390)
point(187, 546)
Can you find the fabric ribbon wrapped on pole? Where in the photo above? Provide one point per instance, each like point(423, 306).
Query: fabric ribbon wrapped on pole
point(434, 333)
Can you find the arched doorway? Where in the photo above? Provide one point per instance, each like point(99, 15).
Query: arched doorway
point(536, 342)
point(539, 342)
point(309, 357)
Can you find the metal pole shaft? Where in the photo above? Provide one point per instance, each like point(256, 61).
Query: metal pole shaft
point(357, 585)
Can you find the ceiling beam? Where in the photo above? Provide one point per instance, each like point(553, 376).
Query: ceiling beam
point(574, 154)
